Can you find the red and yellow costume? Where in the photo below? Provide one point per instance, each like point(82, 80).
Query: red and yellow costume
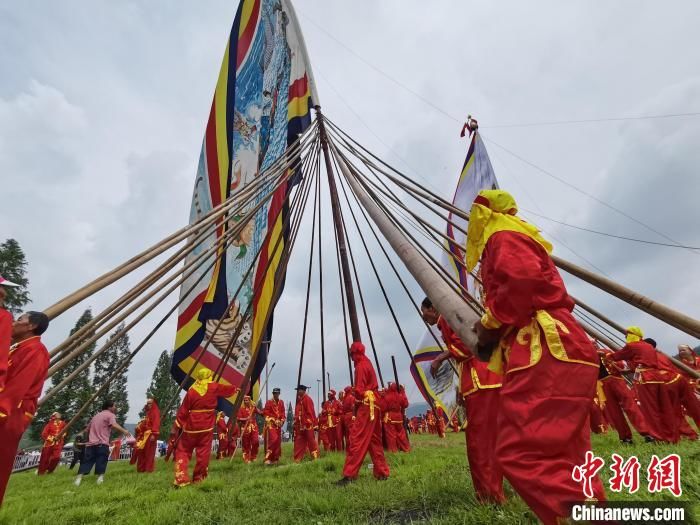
point(195, 419)
point(250, 433)
point(657, 385)
point(274, 419)
point(136, 451)
point(27, 365)
point(304, 424)
point(549, 365)
point(149, 441)
point(347, 415)
point(52, 434)
point(5, 341)
point(395, 402)
point(366, 433)
point(335, 430)
point(618, 400)
point(323, 438)
point(689, 392)
point(221, 435)
point(479, 389)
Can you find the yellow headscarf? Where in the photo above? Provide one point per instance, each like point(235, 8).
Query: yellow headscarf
point(203, 379)
point(494, 211)
point(634, 334)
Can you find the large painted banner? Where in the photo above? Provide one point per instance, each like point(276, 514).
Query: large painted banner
point(477, 174)
point(261, 103)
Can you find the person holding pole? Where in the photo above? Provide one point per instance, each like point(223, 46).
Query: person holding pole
point(548, 364)
point(24, 380)
point(478, 391)
point(195, 420)
point(274, 419)
point(366, 432)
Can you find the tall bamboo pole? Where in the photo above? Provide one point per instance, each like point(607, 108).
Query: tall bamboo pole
point(446, 300)
point(338, 225)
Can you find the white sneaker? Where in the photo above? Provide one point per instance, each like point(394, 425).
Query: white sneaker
point(78, 479)
point(100, 479)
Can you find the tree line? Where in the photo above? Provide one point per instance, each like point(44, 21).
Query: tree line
point(13, 266)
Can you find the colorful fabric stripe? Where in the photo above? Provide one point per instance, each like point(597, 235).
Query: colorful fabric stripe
point(261, 104)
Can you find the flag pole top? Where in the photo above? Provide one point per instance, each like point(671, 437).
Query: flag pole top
point(471, 125)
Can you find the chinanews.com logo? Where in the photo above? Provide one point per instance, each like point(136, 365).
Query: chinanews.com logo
point(662, 475)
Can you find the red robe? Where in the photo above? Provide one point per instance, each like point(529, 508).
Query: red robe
point(5, 340)
point(619, 400)
point(366, 433)
point(53, 445)
point(195, 419)
point(304, 424)
point(250, 433)
point(151, 431)
point(335, 430)
point(26, 371)
point(347, 416)
point(137, 445)
point(395, 403)
point(658, 388)
point(479, 388)
point(274, 419)
point(550, 369)
point(221, 436)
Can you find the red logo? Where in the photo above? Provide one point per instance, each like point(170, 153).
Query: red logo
point(665, 474)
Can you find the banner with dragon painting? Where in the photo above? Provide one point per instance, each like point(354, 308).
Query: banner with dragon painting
point(261, 104)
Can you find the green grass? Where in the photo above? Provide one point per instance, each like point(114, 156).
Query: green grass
point(430, 485)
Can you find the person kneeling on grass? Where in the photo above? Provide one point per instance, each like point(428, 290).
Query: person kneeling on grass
point(97, 447)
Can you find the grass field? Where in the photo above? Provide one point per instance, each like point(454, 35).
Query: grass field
point(430, 485)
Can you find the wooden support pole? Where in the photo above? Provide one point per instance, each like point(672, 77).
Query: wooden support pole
point(450, 305)
point(668, 315)
point(396, 374)
point(338, 225)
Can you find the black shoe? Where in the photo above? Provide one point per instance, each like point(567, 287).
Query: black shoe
point(382, 478)
point(627, 441)
point(649, 439)
point(343, 482)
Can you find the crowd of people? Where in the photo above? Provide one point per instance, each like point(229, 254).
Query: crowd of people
point(532, 390)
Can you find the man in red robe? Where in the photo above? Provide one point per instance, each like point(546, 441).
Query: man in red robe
point(366, 434)
point(305, 423)
point(5, 330)
point(395, 403)
point(335, 411)
point(274, 419)
point(478, 391)
point(548, 364)
point(26, 371)
point(137, 444)
point(195, 419)
point(250, 433)
point(323, 428)
point(172, 441)
point(619, 400)
point(147, 457)
point(348, 414)
point(657, 386)
point(222, 436)
point(52, 434)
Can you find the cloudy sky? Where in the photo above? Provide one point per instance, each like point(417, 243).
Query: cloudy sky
point(103, 106)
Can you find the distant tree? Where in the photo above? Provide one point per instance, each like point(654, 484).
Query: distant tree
point(290, 418)
point(105, 366)
point(76, 393)
point(164, 388)
point(13, 267)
